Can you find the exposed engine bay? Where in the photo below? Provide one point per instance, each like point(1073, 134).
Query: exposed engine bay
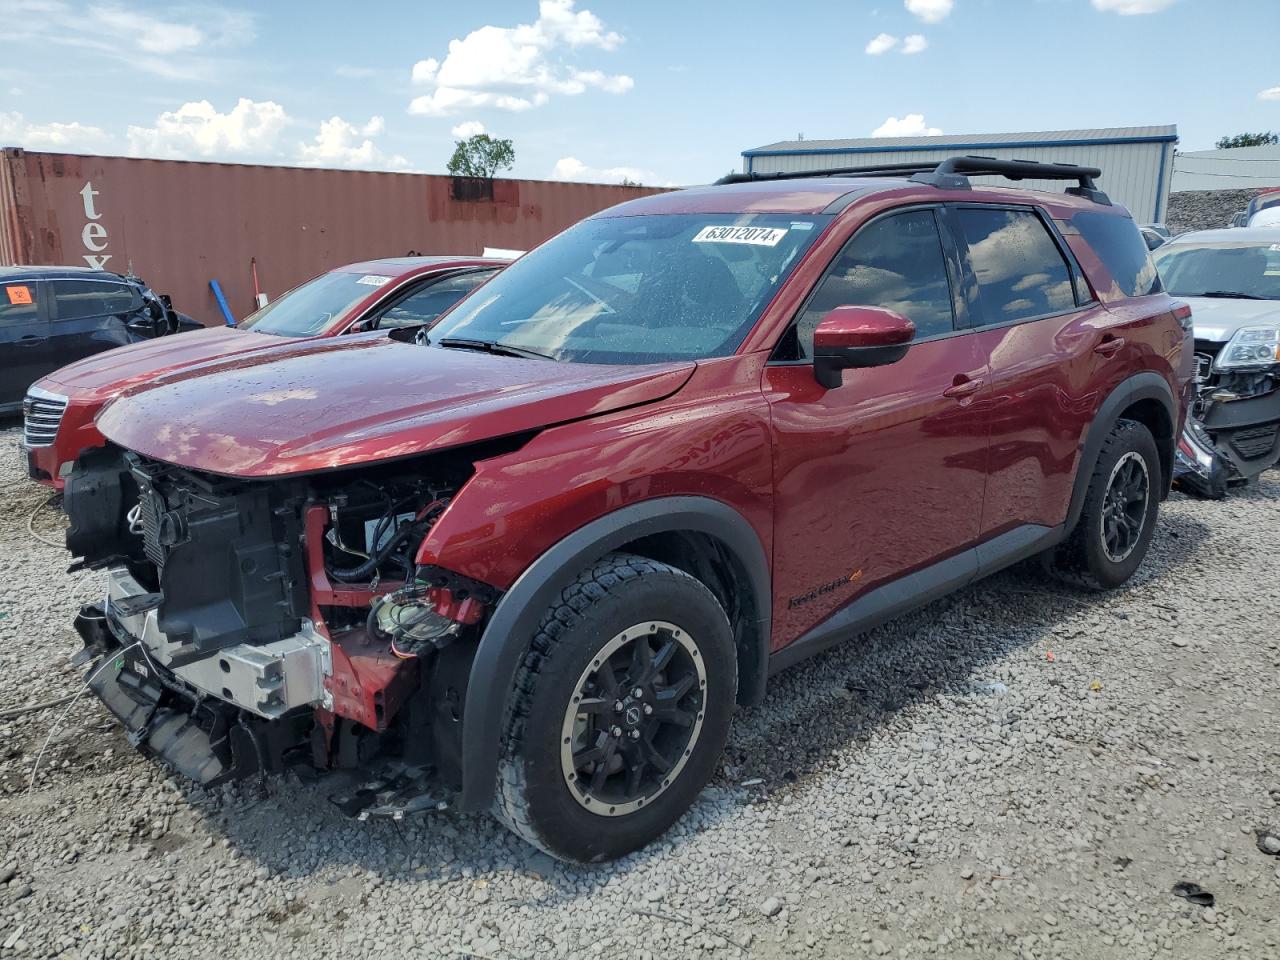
point(1233, 427)
point(251, 625)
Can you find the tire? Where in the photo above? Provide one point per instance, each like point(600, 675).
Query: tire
point(563, 808)
point(1087, 558)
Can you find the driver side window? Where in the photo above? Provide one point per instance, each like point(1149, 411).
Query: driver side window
point(896, 262)
point(425, 305)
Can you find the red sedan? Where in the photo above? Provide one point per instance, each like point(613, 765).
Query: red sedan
point(59, 410)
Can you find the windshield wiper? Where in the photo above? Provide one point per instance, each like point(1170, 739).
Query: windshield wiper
point(494, 346)
point(1227, 295)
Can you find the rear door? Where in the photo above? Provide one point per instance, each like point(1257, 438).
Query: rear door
point(1043, 336)
point(25, 351)
point(91, 315)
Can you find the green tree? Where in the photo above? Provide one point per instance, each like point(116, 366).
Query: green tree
point(1248, 140)
point(481, 156)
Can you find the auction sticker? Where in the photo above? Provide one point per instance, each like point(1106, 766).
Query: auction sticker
point(18, 294)
point(756, 236)
point(374, 280)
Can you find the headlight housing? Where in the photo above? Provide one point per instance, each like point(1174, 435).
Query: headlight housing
point(1250, 347)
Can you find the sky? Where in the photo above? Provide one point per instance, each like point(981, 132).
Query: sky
point(659, 92)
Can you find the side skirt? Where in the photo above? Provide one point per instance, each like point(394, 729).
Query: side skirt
point(917, 589)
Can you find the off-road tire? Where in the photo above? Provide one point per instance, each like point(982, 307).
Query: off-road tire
point(1081, 559)
point(620, 590)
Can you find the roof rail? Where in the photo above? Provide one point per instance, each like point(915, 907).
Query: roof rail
point(953, 174)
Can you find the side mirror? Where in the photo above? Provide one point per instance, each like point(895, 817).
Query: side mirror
point(851, 337)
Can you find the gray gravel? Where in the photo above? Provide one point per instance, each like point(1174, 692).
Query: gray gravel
point(943, 787)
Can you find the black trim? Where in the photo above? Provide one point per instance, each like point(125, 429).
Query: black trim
point(914, 590)
point(507, 635)
point(1141, 386)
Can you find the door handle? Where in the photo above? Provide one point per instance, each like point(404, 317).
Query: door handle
point(30, 341)
point(1110, 347)
point(965, 388)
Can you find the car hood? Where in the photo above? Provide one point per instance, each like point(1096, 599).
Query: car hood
point(106, 374)
point(327, 405)
point(1217, 318)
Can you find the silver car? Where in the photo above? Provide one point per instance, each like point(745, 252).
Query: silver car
point(1231, 279)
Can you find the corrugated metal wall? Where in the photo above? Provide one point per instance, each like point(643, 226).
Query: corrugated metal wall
point(179, 224)
point(1136, 175)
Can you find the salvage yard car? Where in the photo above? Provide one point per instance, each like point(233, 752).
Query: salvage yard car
point(50, 316)
point(1231, 280)
point(59, 410)
point(533, 564)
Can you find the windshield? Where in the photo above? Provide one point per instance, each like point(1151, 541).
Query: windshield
point(637, 289)
point(315, 307)
point(1249, 269)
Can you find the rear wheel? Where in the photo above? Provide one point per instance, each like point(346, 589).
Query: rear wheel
point(620, 712)
point(1115, 527)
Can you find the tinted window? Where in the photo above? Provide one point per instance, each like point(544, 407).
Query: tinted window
point(896, 262)
point(1119, 245)
point(638, 289)
point(426, 304)
point(74, 299)
point(17, 302)
point(1020, 271)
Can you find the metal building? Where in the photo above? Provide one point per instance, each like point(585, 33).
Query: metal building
point(1136, 162)
point(1241, 168)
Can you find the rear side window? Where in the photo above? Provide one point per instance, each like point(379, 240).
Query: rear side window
point(74, 299)
point(895, 262)
point(1020, 270)
point(1119, 245)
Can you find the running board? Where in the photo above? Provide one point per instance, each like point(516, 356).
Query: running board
point(917, 589)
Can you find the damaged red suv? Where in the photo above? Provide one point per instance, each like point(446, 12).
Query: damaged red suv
point(533, 565)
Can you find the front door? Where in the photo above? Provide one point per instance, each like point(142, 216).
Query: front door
point(25, 351)
point(885, 474)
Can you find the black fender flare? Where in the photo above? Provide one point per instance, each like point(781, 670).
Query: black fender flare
point(1147, 385)
point(507, 635)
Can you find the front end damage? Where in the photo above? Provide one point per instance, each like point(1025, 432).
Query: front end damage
point(251, 626)
point(1232, 432)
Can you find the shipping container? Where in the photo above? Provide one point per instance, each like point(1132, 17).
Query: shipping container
point(180, 224)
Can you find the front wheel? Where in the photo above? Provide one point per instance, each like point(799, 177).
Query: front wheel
point(1115, 527)
point(620, 712)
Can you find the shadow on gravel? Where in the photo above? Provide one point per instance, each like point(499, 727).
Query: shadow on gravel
point(812, 711)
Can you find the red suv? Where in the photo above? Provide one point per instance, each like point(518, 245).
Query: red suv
point(534, 564)
point(59, 410)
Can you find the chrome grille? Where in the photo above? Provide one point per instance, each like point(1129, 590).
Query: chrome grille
point(41, 415)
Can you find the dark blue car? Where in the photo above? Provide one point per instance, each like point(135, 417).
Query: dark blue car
point(50, 316)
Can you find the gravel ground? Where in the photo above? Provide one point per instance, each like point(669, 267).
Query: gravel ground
point(1018, 770)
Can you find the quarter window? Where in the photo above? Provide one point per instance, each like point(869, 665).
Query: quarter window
point(896, 262)
point(75, 299)
point(1020, 271)
point(1120, 246)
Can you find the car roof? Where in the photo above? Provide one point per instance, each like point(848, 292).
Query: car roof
point(38, 272)
point(1237, 234)
point(814, 195)
point(403, 266)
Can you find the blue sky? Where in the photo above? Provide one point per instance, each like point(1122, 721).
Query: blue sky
point(659, 91)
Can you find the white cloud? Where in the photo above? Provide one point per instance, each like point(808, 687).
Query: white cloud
point(251, 129)
point(16, 131)
point(177, 44)
point(931, 11)
point(1271, 93)
point(881, 43)
point(914, 43)
point(1132, 7)
point(571, 168)
point(517, 68)
point(468, 128)
point(912, 125)
point(340, 144)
